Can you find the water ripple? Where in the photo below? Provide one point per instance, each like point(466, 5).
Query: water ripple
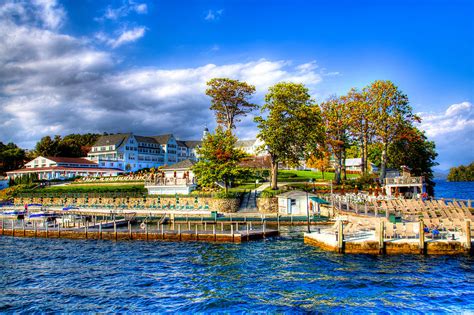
point(275, 275)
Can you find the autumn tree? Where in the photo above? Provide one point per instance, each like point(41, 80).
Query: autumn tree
point(393, 115)
point(290, 125)
point(335, 113)
point(230, 100)
point(361, 122)
point(320, 161)
point(219, 160)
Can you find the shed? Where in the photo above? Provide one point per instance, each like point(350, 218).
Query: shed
point(297, 202)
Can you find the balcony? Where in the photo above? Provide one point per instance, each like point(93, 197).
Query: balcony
point(407, 181)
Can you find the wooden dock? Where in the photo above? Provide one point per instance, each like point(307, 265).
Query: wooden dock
point(147, 234)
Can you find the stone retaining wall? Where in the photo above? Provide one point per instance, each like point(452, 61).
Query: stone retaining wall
point(267, 205)
point(221, 205)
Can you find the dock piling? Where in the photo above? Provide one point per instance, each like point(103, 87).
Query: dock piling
point(468, 234)
point(422, 237)
point(381, 237)
point(115, 229)
point(129, 230)
point(179, 231)
point(100, 230)
point(340, 239)
point(13, 228)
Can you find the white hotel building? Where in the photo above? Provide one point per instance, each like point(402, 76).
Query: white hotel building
point(130, 152)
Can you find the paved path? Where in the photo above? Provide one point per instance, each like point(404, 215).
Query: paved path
point(249, 201)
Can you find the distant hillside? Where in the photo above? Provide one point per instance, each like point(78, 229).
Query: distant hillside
point(461, 173)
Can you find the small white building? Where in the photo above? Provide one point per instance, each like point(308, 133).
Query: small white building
point(297, 202)
point(174, 179)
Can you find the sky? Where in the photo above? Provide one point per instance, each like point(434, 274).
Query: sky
point(142, 66)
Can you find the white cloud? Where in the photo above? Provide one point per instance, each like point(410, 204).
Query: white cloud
point(125, 36)
point(452, 131)
point(52, 83)
point(124, 10)
point(213, 15)
point(42, 13)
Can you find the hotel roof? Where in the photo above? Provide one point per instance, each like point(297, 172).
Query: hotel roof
point(70, 160)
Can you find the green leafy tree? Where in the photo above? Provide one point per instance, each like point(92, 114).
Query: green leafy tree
point(11, 157)
point(335, 113)
point(219, 160)
point(461, 173)
point(230, 99)
point(290, 127)
point(72, 145)
point(414, 150)
point(394, 115)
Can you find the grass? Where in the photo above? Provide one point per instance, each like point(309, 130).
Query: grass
point(304, 176)
point(93, 189)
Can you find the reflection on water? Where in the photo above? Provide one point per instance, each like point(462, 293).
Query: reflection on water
point(273, 275)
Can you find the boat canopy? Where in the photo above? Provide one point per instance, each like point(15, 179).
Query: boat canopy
point(319, 200)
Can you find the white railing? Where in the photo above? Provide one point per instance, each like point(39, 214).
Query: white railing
point(404, 180)
point(169, 182)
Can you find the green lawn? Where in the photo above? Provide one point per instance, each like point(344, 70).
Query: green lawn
point(304, 176)
point(93, 188)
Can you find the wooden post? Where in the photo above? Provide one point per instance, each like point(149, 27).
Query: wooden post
point(196, 232)
point(59, 231)
point(23, 226)
point(189, 226)
point(291, 219)
point(214, 232)
point(46, 230)
point(387, 214)
point(162, 232)
point(129, 230)
point(115, 229)
point(278, 222)
point(146, 231)
point(232, 231)
point(179, 231)
point(222, 226)
point(100, 230)
point(35, 228)
point(356, 208)
point(469, 203)
point(237, 226)
point(468, 234)
point(85, 228)
point(250, 225)
point(13, 228)
point(205, 226)
point(263, 229)
point(422, 237)
point(340, 204)
point(340, 239)
point(366, 208)
point(381, 238)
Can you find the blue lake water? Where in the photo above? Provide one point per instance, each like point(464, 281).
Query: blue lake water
point(275, 275)
point(458, 190)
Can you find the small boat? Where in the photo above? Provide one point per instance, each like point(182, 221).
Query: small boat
point(70, 208)
point(14, 214)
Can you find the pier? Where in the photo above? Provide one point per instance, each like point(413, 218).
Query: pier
point(233, 233)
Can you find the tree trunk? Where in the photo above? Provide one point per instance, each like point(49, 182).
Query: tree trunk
point(383, 165)
point(226, 187)
point(337, 175)
point(364, 154)
point(344, 174)
point(274, 165)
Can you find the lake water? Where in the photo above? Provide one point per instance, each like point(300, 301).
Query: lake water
point(275, 275)
point(458, 190)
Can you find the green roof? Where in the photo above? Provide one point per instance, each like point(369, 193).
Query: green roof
point(319, 200)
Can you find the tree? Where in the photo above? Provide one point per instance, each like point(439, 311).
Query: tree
point(394, 114)
point(11, 157)
point(461, 173)
point(72, 145)
point(230, 99)
point(320, 162)
point(412, 148)
point(361, 122)
point(219, 160)
point(292, 127)
point(335, 113)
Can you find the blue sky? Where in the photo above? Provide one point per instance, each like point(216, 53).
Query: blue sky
point(141, 66)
